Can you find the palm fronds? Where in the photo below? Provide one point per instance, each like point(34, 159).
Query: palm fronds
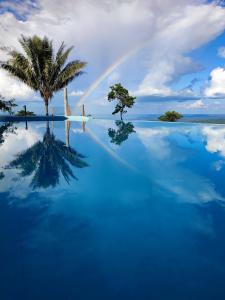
point(40, 68)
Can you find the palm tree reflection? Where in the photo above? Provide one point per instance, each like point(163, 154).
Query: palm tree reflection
point(4, 130)
point(122, 133)
point(47, 159)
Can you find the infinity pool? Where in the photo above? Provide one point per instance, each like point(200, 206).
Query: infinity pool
point(111, 210)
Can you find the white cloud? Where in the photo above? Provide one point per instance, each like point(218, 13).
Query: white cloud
point(186, 184)
point(12, 88)
point(221, 52)
point(193, 26)
point(216, 86)
point(15, 143)
point(215, 139)
point(103, 31)
point(154, 139)
point(195, 105)
point(76, 93)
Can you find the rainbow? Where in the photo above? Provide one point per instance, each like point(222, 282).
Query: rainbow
point(108, 71)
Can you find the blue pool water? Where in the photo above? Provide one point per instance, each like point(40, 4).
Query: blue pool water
point(112, 210)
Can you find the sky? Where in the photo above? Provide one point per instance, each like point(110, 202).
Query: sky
point(170, 54)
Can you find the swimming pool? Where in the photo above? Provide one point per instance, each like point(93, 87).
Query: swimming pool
point(112, 210)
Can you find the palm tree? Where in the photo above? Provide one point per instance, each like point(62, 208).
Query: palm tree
point(47, 159)
point(40, 68)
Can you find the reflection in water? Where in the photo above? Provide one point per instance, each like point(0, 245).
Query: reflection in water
point(47, 159)
point(92, 240)
point(4, 129)
point(122, 133)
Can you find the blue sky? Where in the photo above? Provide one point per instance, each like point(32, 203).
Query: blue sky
point(168, 53)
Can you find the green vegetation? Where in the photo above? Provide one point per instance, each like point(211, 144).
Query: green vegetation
point(46, 160)
point(122, 133)
point(119, 93)
point(23, 112)
point(7, 105)
point(170, 116)
point(40, 68)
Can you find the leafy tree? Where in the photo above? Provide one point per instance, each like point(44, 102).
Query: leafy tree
point(7, 105)
point(170, 116)
point(40, 68)
point(46, 160)
point(119, 93)
point(22, 113)
point(122, 133)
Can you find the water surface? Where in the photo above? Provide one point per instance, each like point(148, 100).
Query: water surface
point(112, 210)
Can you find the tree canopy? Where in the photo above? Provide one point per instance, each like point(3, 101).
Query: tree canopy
point(170, 116)
point(7, 105)
point(41, 68)
point(119, 93)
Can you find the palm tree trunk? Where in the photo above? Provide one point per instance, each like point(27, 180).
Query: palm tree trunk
point(47, 127)
point(46, 106)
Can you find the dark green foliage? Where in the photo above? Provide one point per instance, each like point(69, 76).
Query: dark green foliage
point(122, 133)
point(46, 160)
point(40, 68)
point(7, 105)
point(119, 93)
point(170, 116)
point(22, 113)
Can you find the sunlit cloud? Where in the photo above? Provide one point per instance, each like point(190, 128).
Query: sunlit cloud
point(215, 139)
point(216, 84)
point(157, 35)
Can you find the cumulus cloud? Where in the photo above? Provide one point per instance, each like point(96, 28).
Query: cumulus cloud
point(154, 139)
point(162, 146)
point(103, 31)
point(216, 85)
point(215, 139)
point(193, 26)
point(12, 88)
point(15, 143)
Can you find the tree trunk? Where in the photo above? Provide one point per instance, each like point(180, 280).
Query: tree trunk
point(121, 115)
point(47, 127)
point(46, 107)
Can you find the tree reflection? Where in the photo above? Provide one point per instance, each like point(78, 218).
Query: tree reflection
point(47, 160)
point(122, 133)
point(4, 129)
